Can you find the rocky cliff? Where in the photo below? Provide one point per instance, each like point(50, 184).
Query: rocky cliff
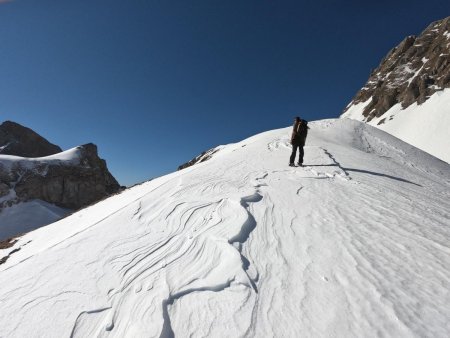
point(410, 73)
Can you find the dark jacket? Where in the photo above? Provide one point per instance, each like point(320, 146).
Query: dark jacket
point(299, 133)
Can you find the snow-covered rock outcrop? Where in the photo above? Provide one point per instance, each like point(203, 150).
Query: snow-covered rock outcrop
point(36, 191)
point(408, 95)
point(355, 244)
point(71, 179)
point(204, 156)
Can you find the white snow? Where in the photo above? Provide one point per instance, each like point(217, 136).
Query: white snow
point(355, 111)
point(68, 157)
point(425, 126)
point(4, 146)
point(417, 72)
point(26, 216)
point(406, 69)
point(356, 244)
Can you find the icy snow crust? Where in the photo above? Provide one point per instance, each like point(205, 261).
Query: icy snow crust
point(355, 244)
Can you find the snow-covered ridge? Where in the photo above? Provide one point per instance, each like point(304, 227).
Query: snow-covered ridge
point(354, 244)
point(68, 157)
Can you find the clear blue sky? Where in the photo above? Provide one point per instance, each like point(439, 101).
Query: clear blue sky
point(154, 83)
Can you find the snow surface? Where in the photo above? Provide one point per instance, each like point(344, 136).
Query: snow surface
point(355, 111)
point(68, 157)
point(355, 244)
point(26, 216)
point(425, 126)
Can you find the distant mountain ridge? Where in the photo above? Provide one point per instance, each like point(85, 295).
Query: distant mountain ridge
point(51, 185)
point(408, 94)
point(18, 140)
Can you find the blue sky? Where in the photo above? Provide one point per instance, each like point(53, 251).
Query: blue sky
point(154, 83)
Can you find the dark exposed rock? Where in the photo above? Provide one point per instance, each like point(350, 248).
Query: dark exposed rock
point(204, 156)
point(410, 73)
point(4, 189)
point(5, 258)
point(18, 140)
point(7, 243)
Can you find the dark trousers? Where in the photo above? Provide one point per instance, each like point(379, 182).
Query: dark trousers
point(294, 152)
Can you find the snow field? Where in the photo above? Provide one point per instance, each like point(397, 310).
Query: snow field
point(356, 243)
point(26, 216)
point(424, 126)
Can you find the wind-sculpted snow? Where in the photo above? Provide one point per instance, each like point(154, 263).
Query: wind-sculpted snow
point(356, 243)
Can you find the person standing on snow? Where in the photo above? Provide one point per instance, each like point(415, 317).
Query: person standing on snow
point(298, 138)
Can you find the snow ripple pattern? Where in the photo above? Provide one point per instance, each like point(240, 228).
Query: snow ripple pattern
point(356, 243)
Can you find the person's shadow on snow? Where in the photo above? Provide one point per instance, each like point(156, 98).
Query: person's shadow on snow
point(365, 172)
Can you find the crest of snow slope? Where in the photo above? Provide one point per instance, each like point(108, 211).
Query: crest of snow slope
point(425, 126)
point(355, 244)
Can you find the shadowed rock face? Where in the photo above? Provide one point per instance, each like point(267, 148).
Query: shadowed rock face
point(70, 187)
point(411, 72)
point(21, 141)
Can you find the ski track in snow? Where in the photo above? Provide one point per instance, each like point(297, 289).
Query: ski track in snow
point(356, 243)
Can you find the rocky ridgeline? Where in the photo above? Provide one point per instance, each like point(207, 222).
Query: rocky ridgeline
point(204, 156)
point(18, 140)
point(411, 72)
point(68, 185)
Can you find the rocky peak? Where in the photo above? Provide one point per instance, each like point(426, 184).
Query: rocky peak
point(410, 73)
point(18, 140)
point(90, 159)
